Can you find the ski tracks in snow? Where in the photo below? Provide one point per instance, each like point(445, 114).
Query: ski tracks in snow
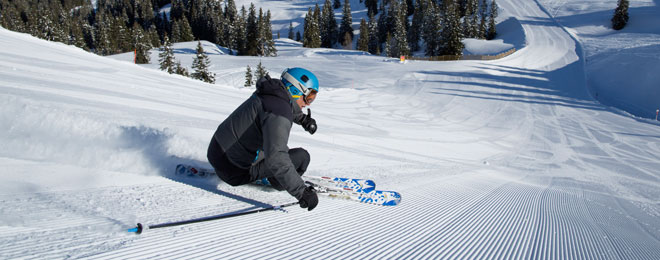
point(494, 160)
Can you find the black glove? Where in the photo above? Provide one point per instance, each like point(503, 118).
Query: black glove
point(308, 123)
point(309, 199)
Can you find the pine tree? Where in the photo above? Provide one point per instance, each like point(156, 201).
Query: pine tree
point(77, 38)
point(363, 40)
point(291, 35)
point(383, 24)
point(241, 32)
point(269, 44)
point(102, 32)
point(372, 7)
point(329, 31)
point(492, 31)
point(219, 29)
point(346, 27)
point(414, 34)
point(374, 39)
point(298, 36)
point(317, 28)
point(141, 45)
point(201, 65)
point(432, 27)
point(410, 7)
point(336, 4)
point(388, 45)
point(166, 24)
point(177, 10)
point(166, 57)
point(62, 22)
point(470, 21)
point(145, 12)
point(620, 18)
point(46, 26)
point(451, 32)
point(261, 71)
point(403, 5)
point(122, 37)
point(180, 69)
point(261, 34)
point(307, 24)
point(152, 35)
point(10, 18)
point(398, 44)
point(252, 32)
point(392, 16)
point(483, 14)
point(198, 20)
point(185, 30)
point(231, 29)
point(311, 35)
point(248, 77)
point(78, 21)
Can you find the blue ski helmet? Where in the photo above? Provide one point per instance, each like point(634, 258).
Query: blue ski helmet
point(301, 82)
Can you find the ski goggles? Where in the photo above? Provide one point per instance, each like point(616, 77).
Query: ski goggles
point(309, 98)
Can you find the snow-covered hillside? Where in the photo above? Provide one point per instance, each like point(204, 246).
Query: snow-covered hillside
point(511, 158)
point(622, 66)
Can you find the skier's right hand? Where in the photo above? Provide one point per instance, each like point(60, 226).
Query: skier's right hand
point(309, 199)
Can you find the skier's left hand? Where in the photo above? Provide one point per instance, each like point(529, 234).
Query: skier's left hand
point(308, 123)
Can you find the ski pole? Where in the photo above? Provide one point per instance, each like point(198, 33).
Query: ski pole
point(139, 228)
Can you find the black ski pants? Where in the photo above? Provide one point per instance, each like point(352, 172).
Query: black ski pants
point(234, 175)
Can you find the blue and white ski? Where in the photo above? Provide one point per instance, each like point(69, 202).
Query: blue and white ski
point(358, 185)
point(376, 197)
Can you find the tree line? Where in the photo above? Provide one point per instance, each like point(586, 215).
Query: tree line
point(117, 26)
point(393, 28)
point(400, 27)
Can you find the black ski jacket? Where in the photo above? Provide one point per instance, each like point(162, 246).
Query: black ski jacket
point(258, 132)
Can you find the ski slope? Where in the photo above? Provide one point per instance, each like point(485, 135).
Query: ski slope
point(511, 158)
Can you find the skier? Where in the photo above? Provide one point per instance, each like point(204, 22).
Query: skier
point(251, 144)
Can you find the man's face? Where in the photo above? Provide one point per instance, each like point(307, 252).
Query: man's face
point(301, 103)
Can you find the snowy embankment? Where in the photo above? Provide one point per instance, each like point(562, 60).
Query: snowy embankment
point(510, 35)
point(494, 159)
point(622, 66)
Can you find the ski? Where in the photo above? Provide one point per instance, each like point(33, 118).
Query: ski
point(376, 197)
point(349, 184)
point(358, 185)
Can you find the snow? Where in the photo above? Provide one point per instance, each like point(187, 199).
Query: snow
point(484, 47)
point(632, 52)
point(166, 9)
point(510, 158)
point(510, 34)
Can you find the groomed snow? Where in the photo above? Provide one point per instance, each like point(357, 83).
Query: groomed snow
point(511, 158)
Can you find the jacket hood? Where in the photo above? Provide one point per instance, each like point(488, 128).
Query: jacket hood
point(272, 87)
